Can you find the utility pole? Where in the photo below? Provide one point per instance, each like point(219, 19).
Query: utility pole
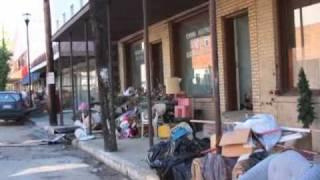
point(101, 32)
point(52, 106)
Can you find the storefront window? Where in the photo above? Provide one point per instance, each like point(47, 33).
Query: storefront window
point(67, 90)
point(137, 65)
point(82, 84)
point(194, 56)
point(81, 88)
point(300, 31)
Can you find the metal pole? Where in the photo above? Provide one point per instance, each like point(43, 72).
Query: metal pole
point(72, 77)
point(61, 84)
point(215, 65)
point(111, 79)
point(147, 61)
point(88, 73)
point(77, 79)
point(50, 66)
point(28, 56)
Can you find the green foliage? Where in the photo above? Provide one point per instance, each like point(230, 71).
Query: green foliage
point(4, 66)
point(305, 104)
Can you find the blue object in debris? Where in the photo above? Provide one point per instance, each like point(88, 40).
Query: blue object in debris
point(178, 133)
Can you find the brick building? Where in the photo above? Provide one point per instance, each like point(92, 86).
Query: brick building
point(258, 68)
point(262, 44)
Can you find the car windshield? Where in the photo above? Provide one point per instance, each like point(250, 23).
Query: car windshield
point(10, 97)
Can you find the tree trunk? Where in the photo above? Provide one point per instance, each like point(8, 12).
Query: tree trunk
point(100, 23)
point(50, 66)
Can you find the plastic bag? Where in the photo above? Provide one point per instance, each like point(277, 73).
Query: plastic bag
point(181, 130)
point(266, 128)
point(81, 135)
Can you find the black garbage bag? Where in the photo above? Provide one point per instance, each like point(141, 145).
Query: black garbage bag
point(157, 154)
point(182, 171)
point(184, 146)
point(158, 159)
point(172, 159)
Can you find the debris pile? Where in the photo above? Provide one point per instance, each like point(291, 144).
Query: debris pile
point(253, 149)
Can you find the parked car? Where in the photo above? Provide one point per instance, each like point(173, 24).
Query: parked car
point(12, 106)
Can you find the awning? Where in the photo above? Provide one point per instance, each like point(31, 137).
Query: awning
point(39, 66)
point(78, 48)
point(34, 77)
point(123, 24)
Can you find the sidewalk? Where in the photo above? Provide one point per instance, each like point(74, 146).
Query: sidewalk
point(41, 120)
point(129, 160)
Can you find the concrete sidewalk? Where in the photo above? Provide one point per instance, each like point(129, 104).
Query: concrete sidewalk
point(42, 120)
point(129, 160)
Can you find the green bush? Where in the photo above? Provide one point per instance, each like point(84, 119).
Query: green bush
point(305, 104)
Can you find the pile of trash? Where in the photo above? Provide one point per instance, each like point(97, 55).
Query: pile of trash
point(251, 150)
point(129, 106)
point(84, 120)
point(172, 159)
point(132, 106)
point(127, 125)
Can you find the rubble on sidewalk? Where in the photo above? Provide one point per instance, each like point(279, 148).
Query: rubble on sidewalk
point(237, 143)
point(255, 148)
point(250, 149)
point(172, 159)
point(66, 129)
point(286, 165)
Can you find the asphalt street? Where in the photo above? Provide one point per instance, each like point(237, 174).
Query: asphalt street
point(22, 158)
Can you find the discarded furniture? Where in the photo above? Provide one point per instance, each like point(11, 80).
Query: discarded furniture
point(158, 110)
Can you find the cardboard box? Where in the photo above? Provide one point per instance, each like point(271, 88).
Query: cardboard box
point(235, 143)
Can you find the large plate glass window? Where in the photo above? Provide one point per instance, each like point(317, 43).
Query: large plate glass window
point(193, 58)
point(137, 68)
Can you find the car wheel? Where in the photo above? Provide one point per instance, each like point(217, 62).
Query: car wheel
point(22, 120)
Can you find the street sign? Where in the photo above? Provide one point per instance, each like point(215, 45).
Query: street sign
point(50, 78)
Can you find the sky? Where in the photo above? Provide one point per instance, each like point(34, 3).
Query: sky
point(12, 20)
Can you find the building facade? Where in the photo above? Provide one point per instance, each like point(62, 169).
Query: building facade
point(261, 47)
point(262, 44)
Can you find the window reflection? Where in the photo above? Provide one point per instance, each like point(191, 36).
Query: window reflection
point(194, 57)
point(137, 64)
point(305, 52)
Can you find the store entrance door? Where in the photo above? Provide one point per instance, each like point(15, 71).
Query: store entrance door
point(238, 67)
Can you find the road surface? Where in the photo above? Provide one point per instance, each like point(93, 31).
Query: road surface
point(45, 162)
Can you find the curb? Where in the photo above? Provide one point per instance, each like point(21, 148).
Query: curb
point(117, 163)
